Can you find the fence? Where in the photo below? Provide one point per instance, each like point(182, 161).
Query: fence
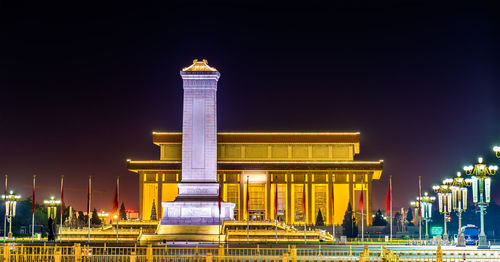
point(79, 253)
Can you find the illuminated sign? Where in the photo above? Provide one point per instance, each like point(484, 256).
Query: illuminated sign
point(255, 177)
point(435, 231)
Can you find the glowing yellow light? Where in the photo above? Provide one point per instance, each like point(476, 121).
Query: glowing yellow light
point(199, 66)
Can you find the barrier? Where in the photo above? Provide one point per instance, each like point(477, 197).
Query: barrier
point(292, 253)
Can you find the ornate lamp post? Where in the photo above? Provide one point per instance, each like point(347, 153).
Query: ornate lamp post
point(426, 203)
point(444, 200)
point(103, 216)
point(52, 207)
point(10, 205)
point(481, 184)
point(496, 149)
point(458, 186)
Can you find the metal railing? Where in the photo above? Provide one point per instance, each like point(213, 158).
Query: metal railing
point(79, 253)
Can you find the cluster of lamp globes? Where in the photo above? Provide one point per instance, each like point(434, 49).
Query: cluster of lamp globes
point(10, 203)
point(452, 194)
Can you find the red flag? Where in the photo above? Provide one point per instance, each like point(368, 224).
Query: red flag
point(388, 199)
point(276, 199)
point(33, 198)
point(62, 196)
point(361, 202)
point(220, 197)
point(419, 196)
point(115, 199)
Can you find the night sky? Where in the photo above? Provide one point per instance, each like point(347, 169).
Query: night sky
point(84, 85)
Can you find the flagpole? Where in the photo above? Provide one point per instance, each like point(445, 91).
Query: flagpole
point(304, 210)
point(276, 206)
point(33, 212)
point(419, 212)
point(62, 203)
point(219, 200)
point(118, 201)
point(333, 209)
point(362, 220)
point(248, 213)
point(89, 200)
point(5, 211)
point(219, 226)
point(118, 190)
point(390, 195)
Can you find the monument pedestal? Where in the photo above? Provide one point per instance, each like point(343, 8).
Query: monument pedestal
point(195, 212)
point(194, 220)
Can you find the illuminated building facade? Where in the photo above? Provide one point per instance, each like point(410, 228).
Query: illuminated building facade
point(321, 163)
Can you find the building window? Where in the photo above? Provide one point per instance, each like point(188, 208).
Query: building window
point(299, 215)
point(281, 202)
point(233, 196)
point(320, 201)
point(257, 204)
point(282, 198)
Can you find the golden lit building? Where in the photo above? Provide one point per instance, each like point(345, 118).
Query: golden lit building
point(320, 163)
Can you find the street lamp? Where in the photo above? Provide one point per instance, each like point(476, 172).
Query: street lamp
point(458, 186)
point(496, 149)
point(52, 207)
point(426, 203)
point(481, 183)
point(10, 205)
point(103, 217)
point(444, 200)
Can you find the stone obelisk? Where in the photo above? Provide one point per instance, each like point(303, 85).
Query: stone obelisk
point(197, 202)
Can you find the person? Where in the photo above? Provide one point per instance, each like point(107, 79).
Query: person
point(51, 229)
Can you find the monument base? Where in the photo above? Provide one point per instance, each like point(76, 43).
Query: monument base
point(184, 233)
point(192, 212)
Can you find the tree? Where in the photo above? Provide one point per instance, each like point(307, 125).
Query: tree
point(349, 224)
point(153, 212)
point(95, 220)
point(123, 214)
point(82, 219)
point(319, 219)
point(409, 217)
point(379, 219)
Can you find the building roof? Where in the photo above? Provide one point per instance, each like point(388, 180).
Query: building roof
point(161, 165)
point(164, 137)
point(199, 66)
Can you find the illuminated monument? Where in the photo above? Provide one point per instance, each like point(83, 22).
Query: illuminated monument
point(197, 202)
point(183, 184)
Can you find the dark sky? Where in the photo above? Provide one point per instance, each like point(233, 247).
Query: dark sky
point(84, 85)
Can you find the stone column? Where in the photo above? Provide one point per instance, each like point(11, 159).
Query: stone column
point(159, 197)
point(351, 192)
point(141, 193)
point(290, 213)
point(330, 204)
point(242, 212)
point(309, 201)
point(268, 196)
point(369, 208)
